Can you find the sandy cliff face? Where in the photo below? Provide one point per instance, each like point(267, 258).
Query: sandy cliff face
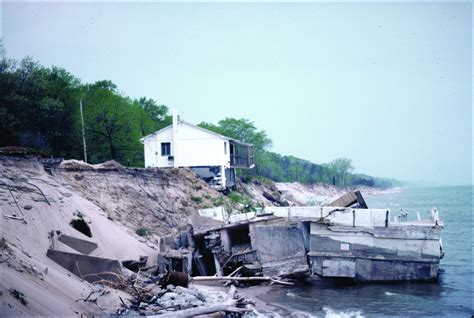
point(155, 199)
point(114, 202)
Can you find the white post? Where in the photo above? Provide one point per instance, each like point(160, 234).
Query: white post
point(174, 113)
point(223, 178)
point(83, 133)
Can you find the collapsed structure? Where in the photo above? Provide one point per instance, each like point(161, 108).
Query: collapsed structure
point(344, 242)
point(61, 240)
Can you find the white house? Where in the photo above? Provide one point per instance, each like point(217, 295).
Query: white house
point(212, 156)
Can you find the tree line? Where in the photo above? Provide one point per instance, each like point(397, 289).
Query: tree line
point(39, 109)
point(281, 168)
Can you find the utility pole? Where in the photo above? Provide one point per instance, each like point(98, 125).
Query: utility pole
point(83, 134)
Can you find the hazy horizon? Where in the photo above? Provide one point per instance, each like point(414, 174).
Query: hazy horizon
point(388, 85)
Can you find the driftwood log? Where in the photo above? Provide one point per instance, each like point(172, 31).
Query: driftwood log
point(228, 306)
point(225, 278)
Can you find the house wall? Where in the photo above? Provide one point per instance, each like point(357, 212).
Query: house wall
point(196, 147)
point(152, 148)
point(192, 147)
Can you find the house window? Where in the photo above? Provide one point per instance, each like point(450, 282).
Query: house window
point(165, 149)
point(225, 148)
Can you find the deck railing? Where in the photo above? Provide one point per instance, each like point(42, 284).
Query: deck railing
point(241, 155)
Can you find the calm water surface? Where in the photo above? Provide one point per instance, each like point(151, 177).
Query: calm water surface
point(451, 296)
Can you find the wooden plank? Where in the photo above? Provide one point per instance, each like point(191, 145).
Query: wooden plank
point(346, 200)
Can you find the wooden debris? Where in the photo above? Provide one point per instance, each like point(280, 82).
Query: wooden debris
point(14, 200)
point(14, 217)
point(227, 307)
point(247, 279)
point(349, 199)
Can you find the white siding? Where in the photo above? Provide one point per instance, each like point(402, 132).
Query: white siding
point(152, 146)
point(192, 147)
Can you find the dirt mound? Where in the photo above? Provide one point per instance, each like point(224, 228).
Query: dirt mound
point(111, 164)
point(75, 165)
point(81, 165)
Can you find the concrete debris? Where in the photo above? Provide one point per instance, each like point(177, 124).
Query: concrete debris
point(92, 269)
point(270, 250)
point(150, 299)
point(334, 242)
point(82, 246)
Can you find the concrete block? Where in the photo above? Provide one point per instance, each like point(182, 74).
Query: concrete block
point(89, 268)
point(83, 246)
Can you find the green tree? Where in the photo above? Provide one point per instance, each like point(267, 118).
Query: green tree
point(157, 113)
point(341, 168)
point(112, 129)
point(241, 129)
point(36, 106)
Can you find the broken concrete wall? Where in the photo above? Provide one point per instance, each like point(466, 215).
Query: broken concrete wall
point(388, 253)
point(341, 216)
point(89, 268)
point(280, 246)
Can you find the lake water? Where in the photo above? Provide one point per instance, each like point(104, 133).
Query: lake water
point(451, 296)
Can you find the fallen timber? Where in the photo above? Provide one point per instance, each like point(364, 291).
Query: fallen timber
point(334, 242)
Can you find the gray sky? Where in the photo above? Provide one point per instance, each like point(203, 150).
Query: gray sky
point(388, 85)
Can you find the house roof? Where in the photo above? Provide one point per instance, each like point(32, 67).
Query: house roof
point(197, 127)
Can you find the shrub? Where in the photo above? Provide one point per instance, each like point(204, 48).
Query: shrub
point(196, 199)
point(219, 201)
point(143, 232)
point(235, 198)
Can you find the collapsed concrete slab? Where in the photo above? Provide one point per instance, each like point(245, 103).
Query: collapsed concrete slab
point(281, 248)
point(82, 246)
point(90, 268)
